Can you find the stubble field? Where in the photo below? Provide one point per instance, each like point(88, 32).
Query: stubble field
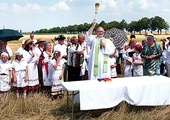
point(38, 107)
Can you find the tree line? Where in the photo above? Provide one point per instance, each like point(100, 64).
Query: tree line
point(144, 24)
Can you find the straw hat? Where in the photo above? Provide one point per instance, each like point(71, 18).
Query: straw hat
point(23, 42)
point(40, 40)
point(28, 41)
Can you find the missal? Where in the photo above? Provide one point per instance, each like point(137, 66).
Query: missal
point(104, 79)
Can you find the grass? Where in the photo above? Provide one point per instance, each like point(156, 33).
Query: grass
point(38, 107)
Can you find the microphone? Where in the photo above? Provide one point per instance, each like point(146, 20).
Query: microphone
point(100, 44)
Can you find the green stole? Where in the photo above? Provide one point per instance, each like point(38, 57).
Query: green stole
point(96, 58)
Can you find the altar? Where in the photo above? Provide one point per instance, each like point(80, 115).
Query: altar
point(138, 91)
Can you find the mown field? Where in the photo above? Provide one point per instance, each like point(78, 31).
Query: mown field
point(38, 107)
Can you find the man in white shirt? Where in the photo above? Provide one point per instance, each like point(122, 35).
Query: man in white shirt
point(86, 50)
point(62, 47)
point(33, 39)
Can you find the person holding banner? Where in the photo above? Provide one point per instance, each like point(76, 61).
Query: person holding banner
point(101, 48)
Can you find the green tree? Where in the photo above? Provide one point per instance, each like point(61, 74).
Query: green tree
point(144, 23)
point(113, 24)
point(103, 24)
point(132, 27)
point(123, 24)
point(158, 24)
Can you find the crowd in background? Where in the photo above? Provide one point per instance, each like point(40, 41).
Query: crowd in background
point(42, 65)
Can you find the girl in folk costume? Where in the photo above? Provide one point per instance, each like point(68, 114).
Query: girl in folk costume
point(5, 75)
point(128, 67)
point(112, 60)
point(137, 61)
point(32, 60)
point(20, 73)
point(129, 48)
point(113, 65)
point(57, 76)
point(47, 66)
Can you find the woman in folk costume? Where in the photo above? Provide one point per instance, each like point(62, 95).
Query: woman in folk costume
point(39, 52)
point(20, 73)
point(101, 48)
point(32, 60)
point(57, 75)
point(151, 54)
point(47, 67)
point(5, 75)
point(40, 46)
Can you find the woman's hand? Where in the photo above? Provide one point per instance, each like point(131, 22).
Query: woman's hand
point(60, 77)
point(15, 80)
point(32, 55)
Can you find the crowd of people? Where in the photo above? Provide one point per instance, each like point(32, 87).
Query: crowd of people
point(42, 65)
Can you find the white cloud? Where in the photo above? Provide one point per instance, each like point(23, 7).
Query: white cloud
point(60, 6)
point(130, 5)
point(144, 4)
point(107, 3)
point(166, 10)
point(3, 6)
point(28, 8)
point(111, 3)
point(35, 8)
point(4, 9)
point(148, 5)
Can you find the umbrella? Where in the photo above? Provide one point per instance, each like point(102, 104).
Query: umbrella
point(119, 36)
point(9, 34)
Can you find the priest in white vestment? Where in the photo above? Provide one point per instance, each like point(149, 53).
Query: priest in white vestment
point(101, 48)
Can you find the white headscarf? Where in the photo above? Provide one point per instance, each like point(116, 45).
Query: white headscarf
point(4, 53)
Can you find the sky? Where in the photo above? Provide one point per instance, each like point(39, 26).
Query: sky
point(32, 15)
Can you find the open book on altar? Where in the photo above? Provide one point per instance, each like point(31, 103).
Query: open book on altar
point(104, 79)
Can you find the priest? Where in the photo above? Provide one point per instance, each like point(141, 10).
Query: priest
point(101, 50)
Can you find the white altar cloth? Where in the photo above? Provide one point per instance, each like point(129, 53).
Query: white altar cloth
point(139, 91)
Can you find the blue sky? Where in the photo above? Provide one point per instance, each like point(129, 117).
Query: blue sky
point(31, 15)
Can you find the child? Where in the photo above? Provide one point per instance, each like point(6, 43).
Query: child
point(113, 65)
point(128, 67)
point(5, 75)
point(57, 75)
point(138, 61)
point(20, 73)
